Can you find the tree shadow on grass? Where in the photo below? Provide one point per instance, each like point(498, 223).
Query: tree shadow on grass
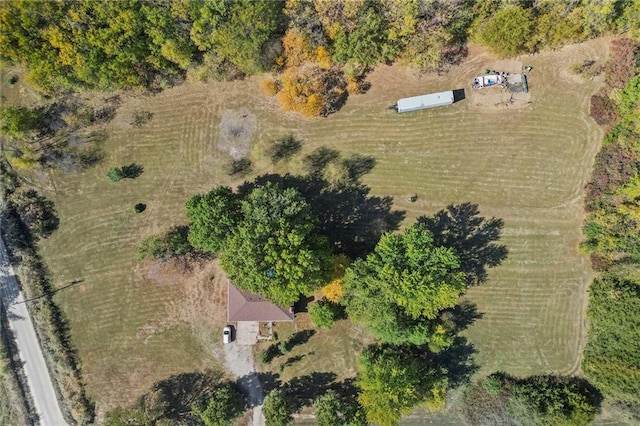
point(351, 218)
point(458, 360)
point(472, 236)
point(132, 171)
point(303, 390)
point(299, 338)
point(461, 316)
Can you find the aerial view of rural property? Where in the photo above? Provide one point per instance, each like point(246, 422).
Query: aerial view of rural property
point(319, 212)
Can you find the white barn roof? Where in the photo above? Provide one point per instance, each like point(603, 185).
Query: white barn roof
point(425, 101)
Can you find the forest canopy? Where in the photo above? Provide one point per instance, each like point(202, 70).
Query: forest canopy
point(87, 44)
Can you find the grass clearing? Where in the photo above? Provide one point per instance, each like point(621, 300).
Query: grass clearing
point(525, 163)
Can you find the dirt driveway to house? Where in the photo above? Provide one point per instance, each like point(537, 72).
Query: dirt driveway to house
point(238, 359)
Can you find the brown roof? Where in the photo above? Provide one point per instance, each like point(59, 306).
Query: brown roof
point(247, 306)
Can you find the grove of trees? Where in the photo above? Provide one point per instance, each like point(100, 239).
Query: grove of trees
point(267, 239)
point(612, 231)
point(319, 49)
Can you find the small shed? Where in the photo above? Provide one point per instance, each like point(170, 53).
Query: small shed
point(425, 101)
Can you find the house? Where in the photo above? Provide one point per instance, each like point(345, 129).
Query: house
point(245, 306)
point(425, 101)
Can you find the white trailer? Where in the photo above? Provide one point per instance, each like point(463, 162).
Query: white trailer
point(425, 101)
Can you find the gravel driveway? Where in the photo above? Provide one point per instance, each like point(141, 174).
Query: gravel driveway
point(239, 360)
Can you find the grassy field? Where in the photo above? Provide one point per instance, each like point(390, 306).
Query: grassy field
point(134, 324)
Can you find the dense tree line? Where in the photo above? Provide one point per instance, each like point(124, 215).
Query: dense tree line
point(612, 230)
point(320, 50)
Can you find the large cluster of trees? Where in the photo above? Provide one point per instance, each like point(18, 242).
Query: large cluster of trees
point(267, 239)
point(511, 28)
point(612, 230)
point(320, 49)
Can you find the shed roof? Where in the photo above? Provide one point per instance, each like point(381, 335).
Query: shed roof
point(247, 306)
point(425, 101)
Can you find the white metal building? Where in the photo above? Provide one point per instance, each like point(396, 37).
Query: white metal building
point(425, 101)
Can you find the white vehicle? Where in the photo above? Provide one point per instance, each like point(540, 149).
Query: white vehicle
point(226, 334)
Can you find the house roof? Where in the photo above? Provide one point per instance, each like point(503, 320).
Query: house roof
point(247, 306)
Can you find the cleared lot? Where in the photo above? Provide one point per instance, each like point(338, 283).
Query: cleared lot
point(526, 163)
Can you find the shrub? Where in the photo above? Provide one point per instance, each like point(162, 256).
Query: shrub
point(587, 68)
point(270, 86)
point(508, 32)
point(115, 174)
point(313, 91)
point(325, 313)
point(139, 207)
point(241, 167)
point(141, 117)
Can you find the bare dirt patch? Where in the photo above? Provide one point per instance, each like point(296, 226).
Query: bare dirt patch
point(237, 131)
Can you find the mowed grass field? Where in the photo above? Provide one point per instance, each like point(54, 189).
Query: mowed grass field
point(526, 163)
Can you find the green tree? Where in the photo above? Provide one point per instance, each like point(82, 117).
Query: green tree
point(328, 407)
point(368, 43)
point(324, 313)
point(276, 409)
point(22, 123)
point(115, 174)
point(395, 379)
point(238, 31)
point(276, 250)
point(222, 408)
point(508, 32)
point(400, 289)
point(213, 216)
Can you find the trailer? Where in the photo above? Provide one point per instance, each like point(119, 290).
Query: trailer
point(432, 100)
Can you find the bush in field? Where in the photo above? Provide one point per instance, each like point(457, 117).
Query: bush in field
point(325, 313)
point(22, 123)
point(240, 167)
point(139, 207)
point(131, 171)
point(115, 174)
